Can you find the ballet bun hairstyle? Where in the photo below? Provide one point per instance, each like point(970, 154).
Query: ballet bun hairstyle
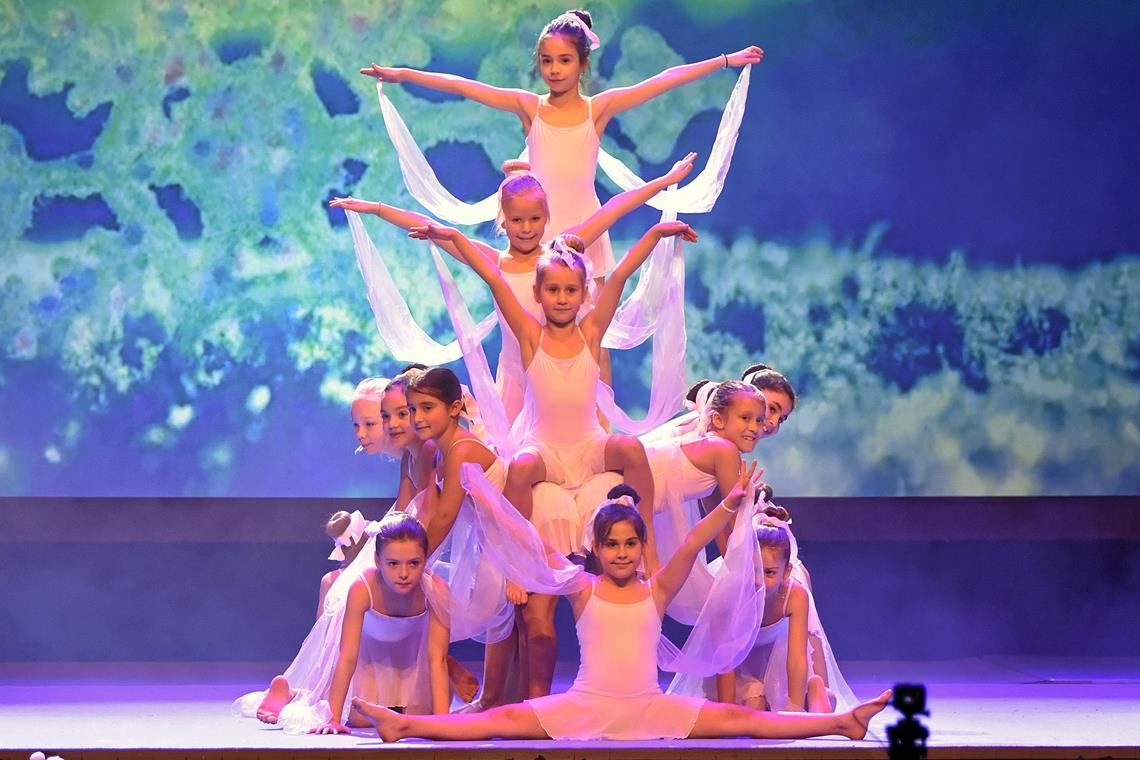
point(519, 182)
point(765, 378)
point(370, 389)
point(437, 382)
point(400, 526)
point(770, 536)
point(566, 251)
point(620, 506)
point(400, 381)
point(337, 523)
point(577, 27)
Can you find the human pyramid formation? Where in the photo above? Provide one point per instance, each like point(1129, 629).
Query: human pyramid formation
point(499, 501)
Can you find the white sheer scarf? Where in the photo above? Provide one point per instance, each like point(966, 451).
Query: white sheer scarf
point(698, 196)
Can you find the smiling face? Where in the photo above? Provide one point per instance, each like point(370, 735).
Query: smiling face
point(524, 220)
point(368, 425)
point(560, 291)
point(560, 64)
point(401, 564)
point(431, 417)
point(620, 552)
point(780, 406)
point(397, 420)
point(741, 421)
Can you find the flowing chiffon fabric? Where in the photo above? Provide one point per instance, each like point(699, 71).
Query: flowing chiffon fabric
point(723, 631)
point(774, 681)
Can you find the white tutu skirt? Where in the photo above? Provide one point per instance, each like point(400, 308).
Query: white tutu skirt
point(581, 715)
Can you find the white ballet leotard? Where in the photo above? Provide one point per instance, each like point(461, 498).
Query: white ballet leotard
point(616, 694)
point(392, 667)
point(565, 160)
point(561, 415)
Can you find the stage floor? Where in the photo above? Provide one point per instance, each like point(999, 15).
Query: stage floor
point(990, 707)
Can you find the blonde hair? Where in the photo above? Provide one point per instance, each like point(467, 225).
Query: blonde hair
point(519, 182)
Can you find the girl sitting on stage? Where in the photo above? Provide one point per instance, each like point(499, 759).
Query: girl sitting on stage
point(393, 648)
point(564, 443)
point(791, 666)
point(563, 129)
point(616, 694)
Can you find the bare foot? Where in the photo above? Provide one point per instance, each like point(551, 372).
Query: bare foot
point(277, 696)
point(463, 681)
point(818, 700)
point(855, 727)
point(388, 724)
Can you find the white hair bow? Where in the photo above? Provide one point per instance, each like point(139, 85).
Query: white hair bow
point(349, 535)
point(574, 20)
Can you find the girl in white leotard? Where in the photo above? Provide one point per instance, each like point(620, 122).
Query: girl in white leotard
point(563, 441)
point(478, 605)
point(525, 213)
point(698, 466)
point(563, 127)
point(791, 666)
point(616, 694)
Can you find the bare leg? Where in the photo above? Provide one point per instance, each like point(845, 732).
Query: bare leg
point(496, 661)
point(718, 719)
point(463, 681)
point(277, 696)
point(626, 454)
point(541, 643)
point(506, 722)
point(526, 469)
point(818, 700)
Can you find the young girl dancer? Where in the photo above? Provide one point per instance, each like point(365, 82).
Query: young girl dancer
point(524, 210)
point(563, 129)
point(697, 467)
point(392, 646)
point(791, 666)
point(616, 695)
point(563, 441)
point(478, 605)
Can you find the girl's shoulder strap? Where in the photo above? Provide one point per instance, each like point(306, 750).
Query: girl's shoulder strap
point(589, 108)
point(458, 441)
point(367, 577)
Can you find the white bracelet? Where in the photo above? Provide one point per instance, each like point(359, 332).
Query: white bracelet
point(726, 509)
point(726, 66)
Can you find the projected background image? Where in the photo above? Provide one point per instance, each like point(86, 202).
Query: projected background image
point(930, 226)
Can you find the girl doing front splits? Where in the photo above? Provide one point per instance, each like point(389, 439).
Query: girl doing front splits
point(616, 695)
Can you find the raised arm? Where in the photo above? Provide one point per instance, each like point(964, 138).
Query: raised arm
point(612, 102)
point(610, 294)
point(622, 203)
point(669, 580)
point(519, 102)
point(524, 326)
point(407, 220)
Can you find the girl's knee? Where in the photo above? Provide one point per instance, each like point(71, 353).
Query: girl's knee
point(627, 447)
point(526, 468)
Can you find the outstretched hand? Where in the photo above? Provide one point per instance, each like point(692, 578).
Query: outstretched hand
point(675, 229)
point(434, 232)
point(750, 54)
point(681, 169)
point(383, 73)
point(330, 727)
point(746, 484)
point(352, 204)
